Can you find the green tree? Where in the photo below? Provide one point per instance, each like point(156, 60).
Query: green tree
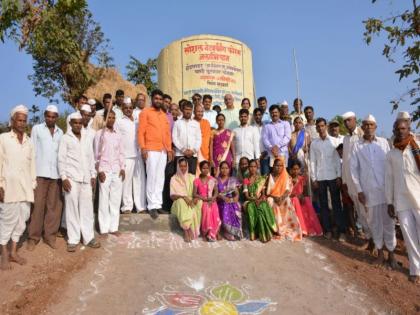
point(143, 73)
point(403, 32)
point(68, 47)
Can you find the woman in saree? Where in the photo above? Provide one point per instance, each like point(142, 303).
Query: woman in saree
point(229, 207)
point(185, 207)
point(278, 190)
point(305, 211)
point(205, 189)
point(243, 173)
point(261, 221)
point(299, 142)
point(221, 148)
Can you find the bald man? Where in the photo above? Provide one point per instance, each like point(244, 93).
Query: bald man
point(231, 113)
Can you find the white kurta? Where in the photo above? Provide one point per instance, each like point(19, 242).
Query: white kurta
point(367, 170)
point(403, 191)
point(348, 144)
point(247, 142)
point(18, 180)
point(134, 185)
point(76, 163)
point(186, 134)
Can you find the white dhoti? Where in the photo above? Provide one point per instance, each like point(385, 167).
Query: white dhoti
point(109, 202)
point(410, 227)
point(361, 215)
point(13, 217)
point(382, 227)
point(79, 213)
point(155, 168)
point(134, 186)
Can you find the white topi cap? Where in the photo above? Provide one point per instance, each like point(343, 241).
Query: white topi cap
point(91, 101)
point(370, 118)
point(19, 109)
point(347, 115)
point(85, 108)
point(284, 103)
point(127, 100)
point(75, 115)
point(51, 108)
point(403, 115)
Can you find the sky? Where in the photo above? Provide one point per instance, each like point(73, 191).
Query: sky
point(338, 72)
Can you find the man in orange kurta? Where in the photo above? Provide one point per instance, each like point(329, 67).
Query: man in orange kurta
point(154, 139)
point(204, 153)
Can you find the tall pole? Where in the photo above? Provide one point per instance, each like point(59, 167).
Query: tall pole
point(297, 79)
point(307, 157)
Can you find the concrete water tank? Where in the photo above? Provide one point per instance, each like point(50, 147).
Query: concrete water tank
point(206, 64)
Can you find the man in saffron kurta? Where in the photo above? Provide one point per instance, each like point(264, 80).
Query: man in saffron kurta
point(204, 153)
point(154, 138)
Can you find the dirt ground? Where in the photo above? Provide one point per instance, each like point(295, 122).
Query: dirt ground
point(53, 279)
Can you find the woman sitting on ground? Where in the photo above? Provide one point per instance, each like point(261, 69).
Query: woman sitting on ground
point(205, 189)
point(229, 207)
point(305, 211)
point(261, 221)
point(278, 190)
point(186, 208)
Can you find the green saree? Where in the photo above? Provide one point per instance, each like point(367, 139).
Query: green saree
point(261, 220)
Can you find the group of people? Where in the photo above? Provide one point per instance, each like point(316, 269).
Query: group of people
point(259, 173)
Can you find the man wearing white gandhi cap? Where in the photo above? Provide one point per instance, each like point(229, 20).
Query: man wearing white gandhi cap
point(355, 133)
point(17, 184)
point(367, 169)
point(76, 167)
point(46, 213)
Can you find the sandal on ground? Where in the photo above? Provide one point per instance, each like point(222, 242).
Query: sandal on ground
point(94, 244)
point(71, 248)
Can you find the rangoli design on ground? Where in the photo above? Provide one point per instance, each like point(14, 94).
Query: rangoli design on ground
point(217, 299)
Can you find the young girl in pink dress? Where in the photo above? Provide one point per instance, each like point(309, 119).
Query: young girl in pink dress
point(205, 189)
point(304, 210)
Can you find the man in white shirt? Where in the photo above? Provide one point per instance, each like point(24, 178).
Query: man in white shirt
point(326, 176)
point(264, 157)
point(334, 132)
point(402, 188)
point(86, 113)
point(76, 167)
point(355, 133)
point(246, 138)
point(367, 169)
point(186, 137)
point(310, 126)
point(231, 113)
point(134, 188)
point(209, 114)
point(17, 184)
point(139, 105)
point(46, 213)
